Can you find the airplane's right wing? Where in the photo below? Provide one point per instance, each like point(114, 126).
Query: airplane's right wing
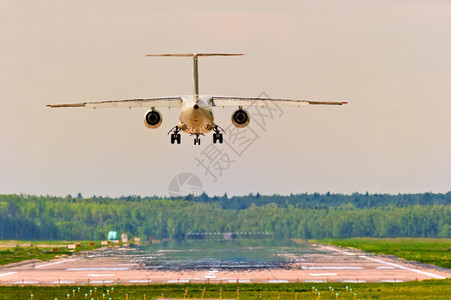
point(243, 101)
point(149, 102)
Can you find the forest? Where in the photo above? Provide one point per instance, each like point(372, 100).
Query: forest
point(305, 216)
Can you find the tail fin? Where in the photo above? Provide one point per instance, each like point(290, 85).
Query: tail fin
point(195, 64)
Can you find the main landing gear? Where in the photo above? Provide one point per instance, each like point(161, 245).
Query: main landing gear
point(175, 136)
point(217, 135)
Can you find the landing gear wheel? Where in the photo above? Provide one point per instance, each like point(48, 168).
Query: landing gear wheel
point(175, 136)
point(197, 141)
point(217, 136)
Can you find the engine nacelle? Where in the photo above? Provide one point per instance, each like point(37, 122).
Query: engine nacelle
point(240, 118)
point(153, 119)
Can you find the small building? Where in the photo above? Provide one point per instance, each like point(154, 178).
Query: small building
point(124, 238)
point(112, 235)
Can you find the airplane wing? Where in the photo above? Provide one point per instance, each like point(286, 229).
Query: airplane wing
point(240, 101)
point(149, 102)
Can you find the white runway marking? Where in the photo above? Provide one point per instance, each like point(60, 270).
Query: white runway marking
point(354, 281)
point(102, 281)
point(212, 274)
point(140, 281)
point(332, 268)
point(101, 275)
point(240, 280)
point(99, 269)
point(63, 282)
point(55, 263)
point(26, 282)
point(404, 268)
point(391, 264)
point(392, 280)
point(6, 274)
point(324, 274)
point(383, 267)
point(277, 281)
point(315, 281)
point(178, 280)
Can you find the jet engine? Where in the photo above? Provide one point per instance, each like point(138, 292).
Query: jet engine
point(153, 119)
point(240, 118)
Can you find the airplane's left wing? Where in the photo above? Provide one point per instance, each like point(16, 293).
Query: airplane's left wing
point(149, 102)
point(240, 101)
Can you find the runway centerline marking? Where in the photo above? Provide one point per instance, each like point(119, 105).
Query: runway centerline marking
point(6, 274)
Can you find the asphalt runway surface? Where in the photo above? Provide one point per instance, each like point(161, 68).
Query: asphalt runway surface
point(319, 264)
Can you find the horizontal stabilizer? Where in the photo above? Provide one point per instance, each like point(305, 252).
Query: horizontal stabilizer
point(198, 54)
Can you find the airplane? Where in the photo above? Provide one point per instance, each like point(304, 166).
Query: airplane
point(196, 116)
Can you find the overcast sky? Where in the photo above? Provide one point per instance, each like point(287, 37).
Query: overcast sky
point(390, 59)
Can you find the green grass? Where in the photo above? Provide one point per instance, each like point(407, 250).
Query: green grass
point(428, 289)
point(15, 251)
point(426, 250)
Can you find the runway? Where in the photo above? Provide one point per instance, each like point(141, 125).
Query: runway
point(325, 264)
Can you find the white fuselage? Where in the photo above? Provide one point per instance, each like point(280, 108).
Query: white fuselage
point(196, 117)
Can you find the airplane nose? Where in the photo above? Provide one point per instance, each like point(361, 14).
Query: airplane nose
point(196, 106)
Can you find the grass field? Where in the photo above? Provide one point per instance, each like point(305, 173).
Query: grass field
point(426, 250)
point(17, 251)
point(428, 289)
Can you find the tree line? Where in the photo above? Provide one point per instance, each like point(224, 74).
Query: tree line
point(305, 216)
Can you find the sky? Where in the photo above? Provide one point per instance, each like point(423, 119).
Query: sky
point(389, 59)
